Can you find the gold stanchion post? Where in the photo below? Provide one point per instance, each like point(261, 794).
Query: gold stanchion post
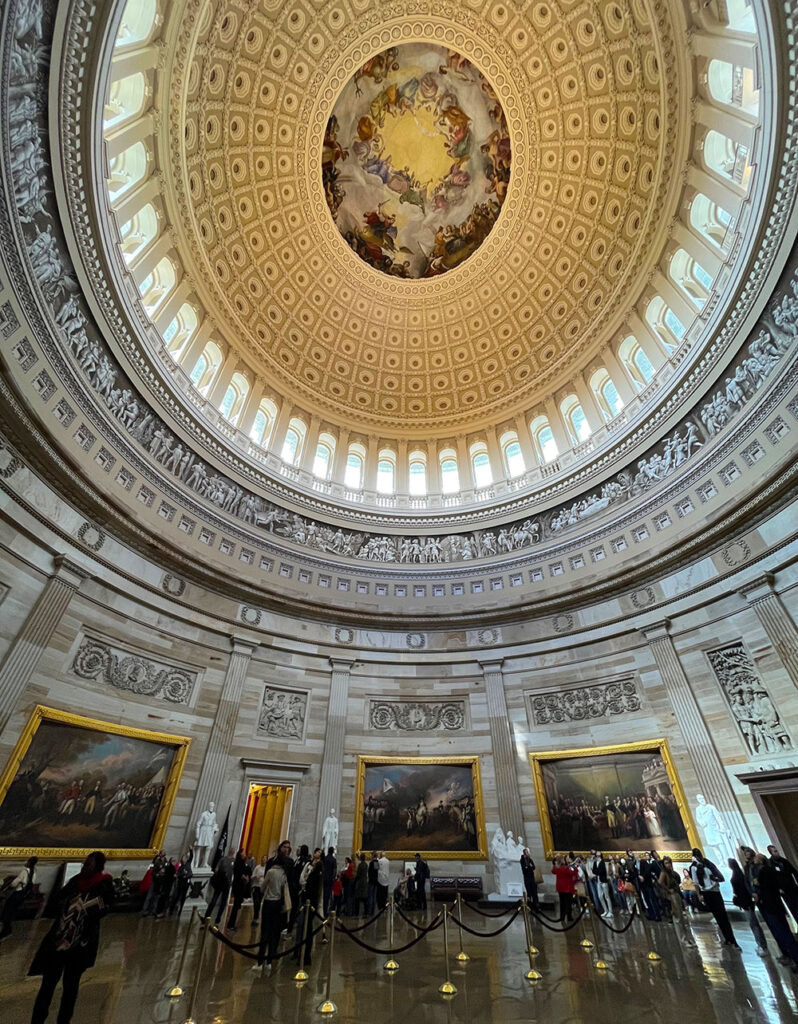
point(585, 943)
point(327, 1005)
point(462, 956)
point(390, 964)
point(600, 963)
point(533, 949)
point(176, 991)
point(198, 970)
point(447, 988)
point(302, 974)
point(531, 974)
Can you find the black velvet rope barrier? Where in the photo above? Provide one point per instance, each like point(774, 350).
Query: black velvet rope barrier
point(239, 947)
point(626, 927)
point(407, 920)
point(371, 920)
point(485, 935)
point(484, 913)
point(436, 923)
point(567, 928)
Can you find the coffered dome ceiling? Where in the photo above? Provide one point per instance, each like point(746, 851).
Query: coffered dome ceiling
point(588, 95)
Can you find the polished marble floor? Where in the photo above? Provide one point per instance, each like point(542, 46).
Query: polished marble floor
point(138, 960)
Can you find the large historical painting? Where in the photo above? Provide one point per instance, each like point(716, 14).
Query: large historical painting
point(431, 806)
point(75, 784)
point(416, 160)
point(612, 799)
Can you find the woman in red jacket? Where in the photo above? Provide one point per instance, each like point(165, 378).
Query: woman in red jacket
point(566, 886)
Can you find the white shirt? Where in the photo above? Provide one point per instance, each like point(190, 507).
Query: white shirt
point(21, 879)
point(273, 883)
point(384, 871)
point(257, 876)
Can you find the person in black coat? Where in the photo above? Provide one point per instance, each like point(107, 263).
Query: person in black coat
point(528, 871)
point(70, 947)
point(240, 886)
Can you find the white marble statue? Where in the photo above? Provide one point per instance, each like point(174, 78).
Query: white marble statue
point(329, 833)
point(505, 856)
point(714, 830)
point(206, 830)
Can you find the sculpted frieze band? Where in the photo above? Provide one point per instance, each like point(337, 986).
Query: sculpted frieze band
point(26, 112)
point(101, 660)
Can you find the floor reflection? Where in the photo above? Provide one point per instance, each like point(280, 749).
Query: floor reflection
point(138, 961)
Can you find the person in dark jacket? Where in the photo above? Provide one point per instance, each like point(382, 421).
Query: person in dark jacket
point(182, 882)
point(743, 898)
point(707, 879)
point(421, 876)
point(768, 896)
point(788, 880)
point(649, 873)
point(329, 869)
point(374, 869)
point(70, 947)
point(240, 886)
point(310, 890)
point(361, 886)
point(528, 871)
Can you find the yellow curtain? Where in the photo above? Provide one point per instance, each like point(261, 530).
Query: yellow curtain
point(265, 814)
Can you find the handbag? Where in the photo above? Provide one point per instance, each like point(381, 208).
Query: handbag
point(629, 887)
point(538, 876)
point(580, 889)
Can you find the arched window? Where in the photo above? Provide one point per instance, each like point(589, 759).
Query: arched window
point(575, 419)
point(709, 219)
point(138, 232)
point(157, 285)
point(206, 367)
point(636, 362)
point(292, 442)
point(386, 471)
point(355, 465)
point(480, 465)
point(234, 397)
point(417, 474)
point(450, 477)
point(181, 328)
point(727, 158)
point(664, 322)
point(690, 277)
point(323, 459)
point(740, 14)
point(126, 170)
point(733, 86)
point(543, 439)
point(138, 22)
point(512, 454)
point(126, 99)
point(606, 394)
point(264, 421)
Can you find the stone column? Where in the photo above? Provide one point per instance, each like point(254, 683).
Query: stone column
point(334, 741)
point(712, 778)
point(30, 643)
point(776, 621)
point(511, 814)
point(215, 765)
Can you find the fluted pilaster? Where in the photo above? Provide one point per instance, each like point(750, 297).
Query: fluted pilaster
point(334, 742)
point(776, 621)
point(215, 766)
point(30, 643)
point(708, 766)
point(511, 815)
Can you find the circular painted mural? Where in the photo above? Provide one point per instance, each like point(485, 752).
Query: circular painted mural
point(416, 160)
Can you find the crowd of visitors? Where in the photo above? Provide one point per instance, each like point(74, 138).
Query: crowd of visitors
point(764, 886)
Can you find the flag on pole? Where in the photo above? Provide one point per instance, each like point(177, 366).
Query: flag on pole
point(221, 842)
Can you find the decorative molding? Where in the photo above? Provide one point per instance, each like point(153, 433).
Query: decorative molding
point(736, 553)
point(416, 641)
point(173, 585)
point(644, 597)
point(249, 615)
point(563, 623)
point(750, 703)
point(92, 536)
point(583, 703)
point(283, 713)
point(128, 669)
point(417, 715)
point(343, 635)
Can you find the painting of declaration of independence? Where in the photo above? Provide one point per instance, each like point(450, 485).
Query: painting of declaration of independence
point(416, 160)
point(75, 784)
point(612, 799)
point(420, 805)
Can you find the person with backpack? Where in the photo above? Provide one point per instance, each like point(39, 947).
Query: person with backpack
point(422, 874)
point(707, 879)
point(21, 887)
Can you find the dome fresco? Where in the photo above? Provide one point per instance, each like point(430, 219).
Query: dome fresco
point(416, 160)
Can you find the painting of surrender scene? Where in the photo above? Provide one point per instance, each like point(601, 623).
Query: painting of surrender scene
point(418, 805)
point(416, 160)
point(612, 799)
point(75, 784)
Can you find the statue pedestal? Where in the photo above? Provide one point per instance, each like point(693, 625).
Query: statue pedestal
point(511, 893)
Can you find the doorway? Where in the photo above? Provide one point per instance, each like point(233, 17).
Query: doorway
point(266, 818)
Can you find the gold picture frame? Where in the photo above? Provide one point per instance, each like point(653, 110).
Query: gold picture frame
point(418, 845)
point(658, 748)
point(45, 799)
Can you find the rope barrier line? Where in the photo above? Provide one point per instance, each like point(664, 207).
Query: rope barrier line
point(484, 913)
point(567, 928)
point(407, 920)
point(485, 935)
point(244, 949)
point(371, 920)
point(626, 927)
point(437, 922)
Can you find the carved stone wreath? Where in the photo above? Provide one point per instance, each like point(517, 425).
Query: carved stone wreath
point(417, 716)
point(97, 660)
